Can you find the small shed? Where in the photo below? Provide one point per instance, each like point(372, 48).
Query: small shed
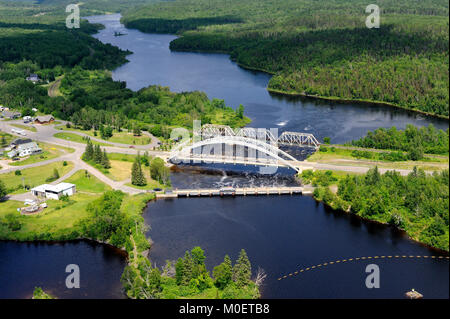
point(54, 191)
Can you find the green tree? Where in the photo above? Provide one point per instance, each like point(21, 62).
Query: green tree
point(4, 142)
point(105, 160)
point(98, 155)
point(137, 176)
point(3, 190)
point(179, 271)
point(188, 269)
point(223, 273)
point(242, 270)
point(89, 151)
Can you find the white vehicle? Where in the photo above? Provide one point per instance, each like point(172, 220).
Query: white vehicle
point(30, 202)
point(20, 132)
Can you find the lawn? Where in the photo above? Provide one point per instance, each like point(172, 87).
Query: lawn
point(118, 137)
point(49, 151)
point(8, 137)
point(59, 220)
point(33, 176)
point(120, 170)
point(77, 139)
point(25, 127)
point(87, 183)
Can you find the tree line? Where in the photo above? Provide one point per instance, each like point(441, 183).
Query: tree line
point(414, 140)
point(321, 48)
point(417, 203)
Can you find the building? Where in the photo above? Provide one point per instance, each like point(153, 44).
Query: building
point(34, 109)
point(54, 191)
point(11, 115)
point(33, 78)
point(25, 149)
point(44, 119)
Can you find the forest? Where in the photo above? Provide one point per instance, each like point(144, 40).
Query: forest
point(320, 48)
point(34, 39)
point(417, 203)
point(427, 140)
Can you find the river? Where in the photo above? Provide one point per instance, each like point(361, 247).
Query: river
point(280, 234)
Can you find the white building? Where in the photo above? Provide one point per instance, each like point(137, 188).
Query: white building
point(25, 149)
point(54, 191)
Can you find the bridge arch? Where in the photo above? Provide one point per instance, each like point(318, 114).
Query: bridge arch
point(254, 144)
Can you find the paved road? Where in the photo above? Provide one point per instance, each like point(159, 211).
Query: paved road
point(45, 134)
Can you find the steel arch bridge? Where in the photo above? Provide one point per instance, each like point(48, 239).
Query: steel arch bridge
point(185, 151)
point(286, 138)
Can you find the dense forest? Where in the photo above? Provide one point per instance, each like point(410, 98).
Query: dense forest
point(417, 203)
point(427, 140)
point(43, 45)
point(321, 48)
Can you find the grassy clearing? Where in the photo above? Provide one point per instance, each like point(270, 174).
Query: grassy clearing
point(59, 220)
point(33, 176)
point(87, 183)
point(77, 139)
point(49, 151)
point(8, 137)
point(25, 127)
point(118, 137)
point(120, 170)
point(134, 205)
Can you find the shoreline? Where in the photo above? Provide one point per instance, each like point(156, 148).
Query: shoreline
point(298, 94)
point(356, 101)
point(402, 231)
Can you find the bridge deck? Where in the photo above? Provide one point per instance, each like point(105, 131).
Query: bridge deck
point(247, 191)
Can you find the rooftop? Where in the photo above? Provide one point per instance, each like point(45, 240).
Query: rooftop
point(53, 188)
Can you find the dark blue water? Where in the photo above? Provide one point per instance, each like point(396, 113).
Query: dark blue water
point(24, 266)
point(282, 234)
point(153, 63)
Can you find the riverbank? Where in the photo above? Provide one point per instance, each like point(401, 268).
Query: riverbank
point(358, 101)
point(299, 94)
point(416, 204)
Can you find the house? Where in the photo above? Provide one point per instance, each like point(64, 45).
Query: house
point(11, 115)
point(27, 119)
point(33, 78)
point(54, 191)
point(44, 119)
point(25, 149)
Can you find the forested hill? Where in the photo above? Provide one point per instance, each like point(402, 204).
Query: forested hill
point(323, 47)
point(34, 40)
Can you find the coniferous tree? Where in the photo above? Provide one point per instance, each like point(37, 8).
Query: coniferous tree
point(188, 266)
point(179, 271)
point(105, 160)
point(223, 273)
point(4, 142)
point(137, 176)
point(89, 151)
point(98, 156)
point(242, 270)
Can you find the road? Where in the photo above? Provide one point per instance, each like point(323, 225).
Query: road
point(45, 133)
